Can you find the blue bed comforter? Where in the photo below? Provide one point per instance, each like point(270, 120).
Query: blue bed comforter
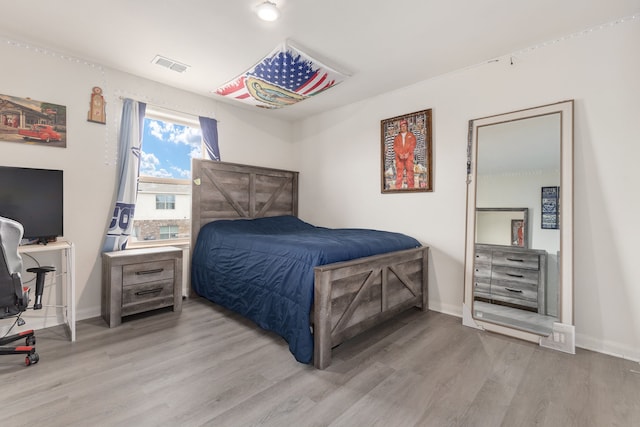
point(263, 269)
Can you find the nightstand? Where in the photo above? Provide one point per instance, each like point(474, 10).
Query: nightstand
point(139, 280)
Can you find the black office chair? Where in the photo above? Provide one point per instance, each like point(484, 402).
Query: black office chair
point(14, 296)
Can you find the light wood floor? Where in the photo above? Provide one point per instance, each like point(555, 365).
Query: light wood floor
point(209, 367)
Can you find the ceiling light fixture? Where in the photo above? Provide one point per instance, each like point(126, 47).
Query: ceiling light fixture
point(267, 11)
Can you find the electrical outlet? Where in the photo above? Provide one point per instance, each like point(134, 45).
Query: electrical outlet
point(562, 338)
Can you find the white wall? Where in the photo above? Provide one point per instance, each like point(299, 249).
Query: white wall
point(339, 160)
point(89, 159)
point(146, 207)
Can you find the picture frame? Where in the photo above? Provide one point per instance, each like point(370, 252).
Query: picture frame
point(32, 122)
point(413, 160)
point(550, 208)
point(517, 233)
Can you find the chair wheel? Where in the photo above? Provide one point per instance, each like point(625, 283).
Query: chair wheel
point(31, 359)
point(31, 341)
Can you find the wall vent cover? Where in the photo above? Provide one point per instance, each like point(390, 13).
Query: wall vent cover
point(170, 64)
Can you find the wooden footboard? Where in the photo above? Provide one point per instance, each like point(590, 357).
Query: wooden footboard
point(353, 296)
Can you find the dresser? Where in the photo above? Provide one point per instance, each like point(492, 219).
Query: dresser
point(510, 275)
point(139, 280)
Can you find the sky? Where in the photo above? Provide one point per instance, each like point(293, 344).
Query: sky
point(167, 149)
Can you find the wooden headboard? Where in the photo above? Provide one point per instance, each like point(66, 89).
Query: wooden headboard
point(221, 190)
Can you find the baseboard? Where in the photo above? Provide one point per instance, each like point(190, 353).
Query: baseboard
point(451, 310)
point(88, 313)
point(608, 348)
point(33, 320)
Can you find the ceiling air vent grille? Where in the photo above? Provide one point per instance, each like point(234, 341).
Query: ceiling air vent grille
point(170, 64)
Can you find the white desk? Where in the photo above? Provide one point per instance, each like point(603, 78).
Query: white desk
point(67, 253)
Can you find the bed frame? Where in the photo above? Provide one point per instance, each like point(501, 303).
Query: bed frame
point(349, 297)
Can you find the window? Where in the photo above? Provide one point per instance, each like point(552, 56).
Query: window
point(163, 206)
point(168, 232)
point(165, 201)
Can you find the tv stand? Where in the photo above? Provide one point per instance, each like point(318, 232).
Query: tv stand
point(66, 250)
point(45, 240)
point(39, 241)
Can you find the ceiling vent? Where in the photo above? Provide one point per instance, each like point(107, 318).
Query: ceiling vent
point(170, 64)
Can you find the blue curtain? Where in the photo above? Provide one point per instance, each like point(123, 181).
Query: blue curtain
point(129, 142)
point(209, 128)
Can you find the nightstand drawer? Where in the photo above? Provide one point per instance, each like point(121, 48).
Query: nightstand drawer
point(146, 291)
point(147, 296)
point(147, 272)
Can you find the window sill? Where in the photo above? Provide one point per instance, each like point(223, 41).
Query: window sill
point(180, 243)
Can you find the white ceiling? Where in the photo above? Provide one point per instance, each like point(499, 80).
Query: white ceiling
point(383, 45)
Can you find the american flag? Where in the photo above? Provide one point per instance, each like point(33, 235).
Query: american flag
point(284, 77)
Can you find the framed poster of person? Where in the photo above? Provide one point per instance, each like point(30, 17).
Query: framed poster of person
point(406, 153)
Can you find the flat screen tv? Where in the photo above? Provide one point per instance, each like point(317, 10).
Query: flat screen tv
point(33, 197)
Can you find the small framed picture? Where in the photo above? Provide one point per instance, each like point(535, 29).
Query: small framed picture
point(406, 153)
point(550, 201)
point(32, 122)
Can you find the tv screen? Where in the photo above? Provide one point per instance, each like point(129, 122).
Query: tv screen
point(33, 197)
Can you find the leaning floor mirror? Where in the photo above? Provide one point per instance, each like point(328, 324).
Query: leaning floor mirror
point(519, 230)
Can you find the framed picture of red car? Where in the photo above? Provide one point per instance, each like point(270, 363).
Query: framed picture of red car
point(406, 153)
point(34, 122)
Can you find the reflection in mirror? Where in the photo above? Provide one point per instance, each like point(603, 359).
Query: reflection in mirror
point(503, 226)
point(513, 264)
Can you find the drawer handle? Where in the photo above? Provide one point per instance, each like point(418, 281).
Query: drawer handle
point(517, 291)
point(515, 259)
point(515, 275)
point(149, 291)
point(157, 270)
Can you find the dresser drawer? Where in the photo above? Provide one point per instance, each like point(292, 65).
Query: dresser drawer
point(483, 256)
point(515, 294)
point(516, 259)
point(481, 288)
point(147, 272)
point(520, 276)
point(482, 271)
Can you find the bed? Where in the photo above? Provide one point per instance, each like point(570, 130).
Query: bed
point(337, 292)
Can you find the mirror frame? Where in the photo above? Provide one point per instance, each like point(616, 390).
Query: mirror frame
point(565, 303)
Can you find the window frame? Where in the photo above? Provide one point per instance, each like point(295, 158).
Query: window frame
point(178, 118)
point(173, 229)
point(169, 202)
